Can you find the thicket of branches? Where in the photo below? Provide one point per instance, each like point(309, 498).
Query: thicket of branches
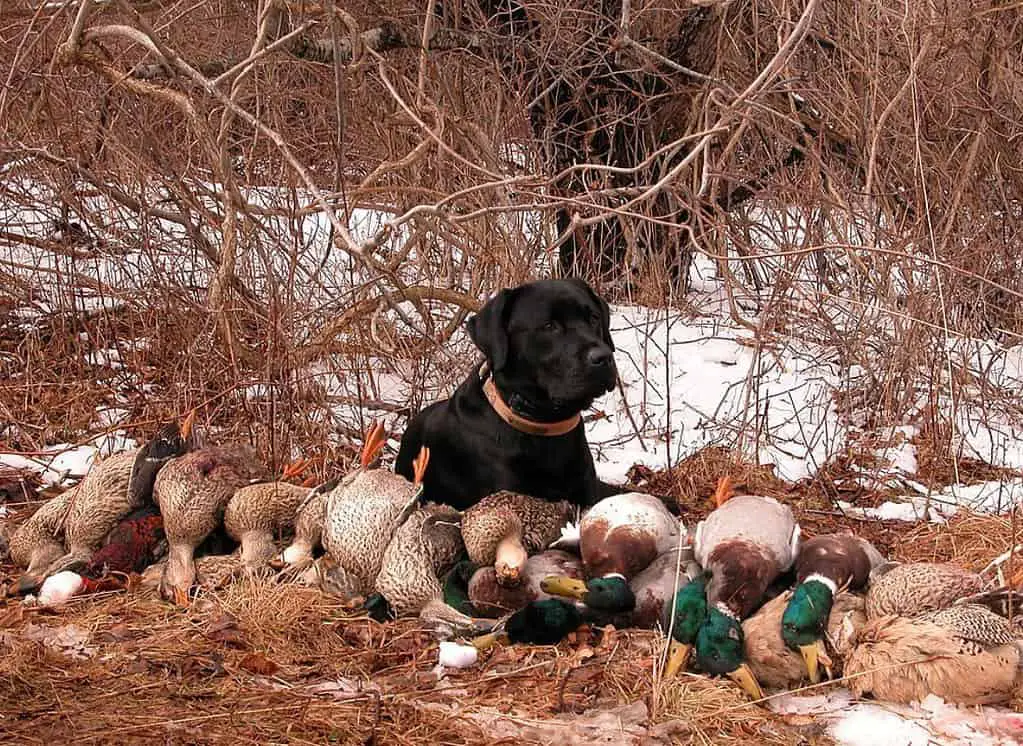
point(266, 191)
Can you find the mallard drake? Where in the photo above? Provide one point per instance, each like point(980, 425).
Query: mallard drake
point(364, 511)
point(491, 599)
point(424, 547)
point(775, 663)
point(192, 492)
point(618, 538)
point(825, 565)
point(745, 543)
point(915, 587)
point(258, 512)
point(964, 654)
point(504, 528)
point(544, 622)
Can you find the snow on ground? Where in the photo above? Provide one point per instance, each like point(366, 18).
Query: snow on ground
point(66, 463)
point(928, 723)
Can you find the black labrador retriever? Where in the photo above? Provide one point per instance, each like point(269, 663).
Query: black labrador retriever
point(514, 423)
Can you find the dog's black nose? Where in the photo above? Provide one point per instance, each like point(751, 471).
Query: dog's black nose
point(598, 356)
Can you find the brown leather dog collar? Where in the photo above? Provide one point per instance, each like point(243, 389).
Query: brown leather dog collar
point(548, 429)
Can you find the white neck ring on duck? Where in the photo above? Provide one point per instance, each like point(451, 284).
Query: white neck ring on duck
point(828, 582)
point(723, 608)
point(613, 575)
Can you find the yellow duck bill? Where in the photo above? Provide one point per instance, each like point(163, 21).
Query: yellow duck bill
point(558, 585)
point(815, 658)
point(487, 641)
point(678, 658)
point(743, 676)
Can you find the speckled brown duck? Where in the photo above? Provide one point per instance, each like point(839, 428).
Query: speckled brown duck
point(504, 528)
point(363, 513)
point(193, 492)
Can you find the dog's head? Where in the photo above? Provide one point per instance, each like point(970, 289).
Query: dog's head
point(549, 342)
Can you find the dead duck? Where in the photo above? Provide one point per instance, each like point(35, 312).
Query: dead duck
point(363, 512)
point(309, 517)
point(424, 548)
point(258, 512)
point(504, 528)
point(492, 599)
point(964, 654)
point(212, 571)
point(775, 663)
point(115, 487)
point(916, 587)
point(193, 491)
point(38, 542)
point(745, 544)
point(82, 516)
point(618, 538)
point(826, 566)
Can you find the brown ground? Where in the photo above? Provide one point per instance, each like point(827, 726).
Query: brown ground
point(265, 663)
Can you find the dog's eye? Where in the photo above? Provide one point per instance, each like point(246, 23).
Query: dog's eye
point(550, 326)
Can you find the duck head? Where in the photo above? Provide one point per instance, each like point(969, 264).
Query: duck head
point(805, 620)
point(719, 650)
point(171, 441)
point(544, 622)
point(690, 611)
point(609, 594)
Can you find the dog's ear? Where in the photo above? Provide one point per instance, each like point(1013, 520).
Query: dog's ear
point(488, 330)
point(605, 311)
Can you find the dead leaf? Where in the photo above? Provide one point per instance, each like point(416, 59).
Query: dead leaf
point(224, 629)
point(259, 664)
point(69, 639)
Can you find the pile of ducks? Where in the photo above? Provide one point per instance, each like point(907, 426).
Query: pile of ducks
point(741, 593)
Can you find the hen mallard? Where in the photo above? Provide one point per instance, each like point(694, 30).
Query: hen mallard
point(745, 544)
point(424, 548)
point(915, 587)
point(504, 528)
point(364, 511)
point(309, 517)
point(193, 492)
point(825, 566)
point(258, 512)
point(114, 488)
point(618, 538)
point(82, 516)
point(37, 542)
point(965, 654)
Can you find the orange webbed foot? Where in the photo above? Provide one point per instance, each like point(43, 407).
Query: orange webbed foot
point(724, 491)
point(376, 439)
point(419, 465)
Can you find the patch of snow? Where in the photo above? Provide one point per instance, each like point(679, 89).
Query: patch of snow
point(109, 358)
point(932, 722)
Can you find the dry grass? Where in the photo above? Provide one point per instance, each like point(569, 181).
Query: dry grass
point(261, 662)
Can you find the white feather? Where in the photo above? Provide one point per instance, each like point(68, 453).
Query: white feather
point(57, 589)
point(455, 655)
